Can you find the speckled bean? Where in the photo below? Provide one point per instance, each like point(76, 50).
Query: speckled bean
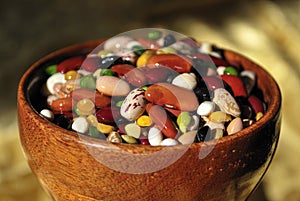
point(226, 102)
point(134, 104)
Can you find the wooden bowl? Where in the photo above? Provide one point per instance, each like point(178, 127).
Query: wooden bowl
point(75, 167)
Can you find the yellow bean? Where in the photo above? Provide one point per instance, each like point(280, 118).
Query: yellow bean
point(144, 121)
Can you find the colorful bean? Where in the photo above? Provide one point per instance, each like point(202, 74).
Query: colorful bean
point(169, 95)
point(112, 86)
point(133, 105)
point(154, 90)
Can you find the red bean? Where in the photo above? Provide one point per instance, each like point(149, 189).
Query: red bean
point(256, 104)
point(236, 85)
point(62, 104)
point(72, 63)
point(122, 69)
point(155, 75)
point(90, 64)
point(135, 77)
point(159, 116)
point(213, 82)
point(178, 63)
point(172, 96)
point(108, 115)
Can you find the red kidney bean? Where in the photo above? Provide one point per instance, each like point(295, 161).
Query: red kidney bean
point(72, 63)
point(108, 115)
point(102, 100)
point(62, 104)
point(90, 64)
point(178, 63)
point(172, 96)
point(154, 75)
point(144, 141)
point(67, 114)
point(176, 113)
point(135, 77)
point(122, 69)
point(213, 82)
point(159, 116)
point(236, 85)
point(256, 104)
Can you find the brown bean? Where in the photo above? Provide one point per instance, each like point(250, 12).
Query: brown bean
point(122, 69)
point(155, 75)
point(178, 63)
point(135, 77)
point(172, 96)
point(62, 104)
point(159, 116)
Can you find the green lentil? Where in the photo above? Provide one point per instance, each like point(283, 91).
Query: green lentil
point(88, 82)
point(154, 35)
point(93, 132)
point(129, 139)
point(138, 50)
point(50, 70)
point(183, 120)
point(230, 71)
point(107, 72)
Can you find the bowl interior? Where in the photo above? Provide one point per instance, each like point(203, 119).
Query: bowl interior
point(35, 77)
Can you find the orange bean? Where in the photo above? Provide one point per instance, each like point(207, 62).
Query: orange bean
point(178, 63)
point(172, 96)
point(62, 104)
point(159, 116)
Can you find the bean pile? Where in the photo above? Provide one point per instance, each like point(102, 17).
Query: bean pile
point(152, 90)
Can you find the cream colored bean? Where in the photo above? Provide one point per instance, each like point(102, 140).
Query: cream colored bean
point(133, 130)
point(205, 108)
point(235, 126)
point(155, 136)
point(185, 80)
point(226, 102)
point(169, 142)
point(54, 79)
point(80, 125)
point(188, 137)
point(134, 105)
point(112, 86)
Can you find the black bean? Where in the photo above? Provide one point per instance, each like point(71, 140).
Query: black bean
point(169, 40)
point(109, 61)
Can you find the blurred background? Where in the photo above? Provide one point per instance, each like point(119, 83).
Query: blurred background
point(266, 31)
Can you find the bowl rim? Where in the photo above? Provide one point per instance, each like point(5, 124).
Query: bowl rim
point(272, 111)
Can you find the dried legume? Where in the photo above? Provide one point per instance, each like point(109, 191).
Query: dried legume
point(156, 90)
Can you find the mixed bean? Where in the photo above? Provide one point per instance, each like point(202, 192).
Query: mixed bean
point(152, 90)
